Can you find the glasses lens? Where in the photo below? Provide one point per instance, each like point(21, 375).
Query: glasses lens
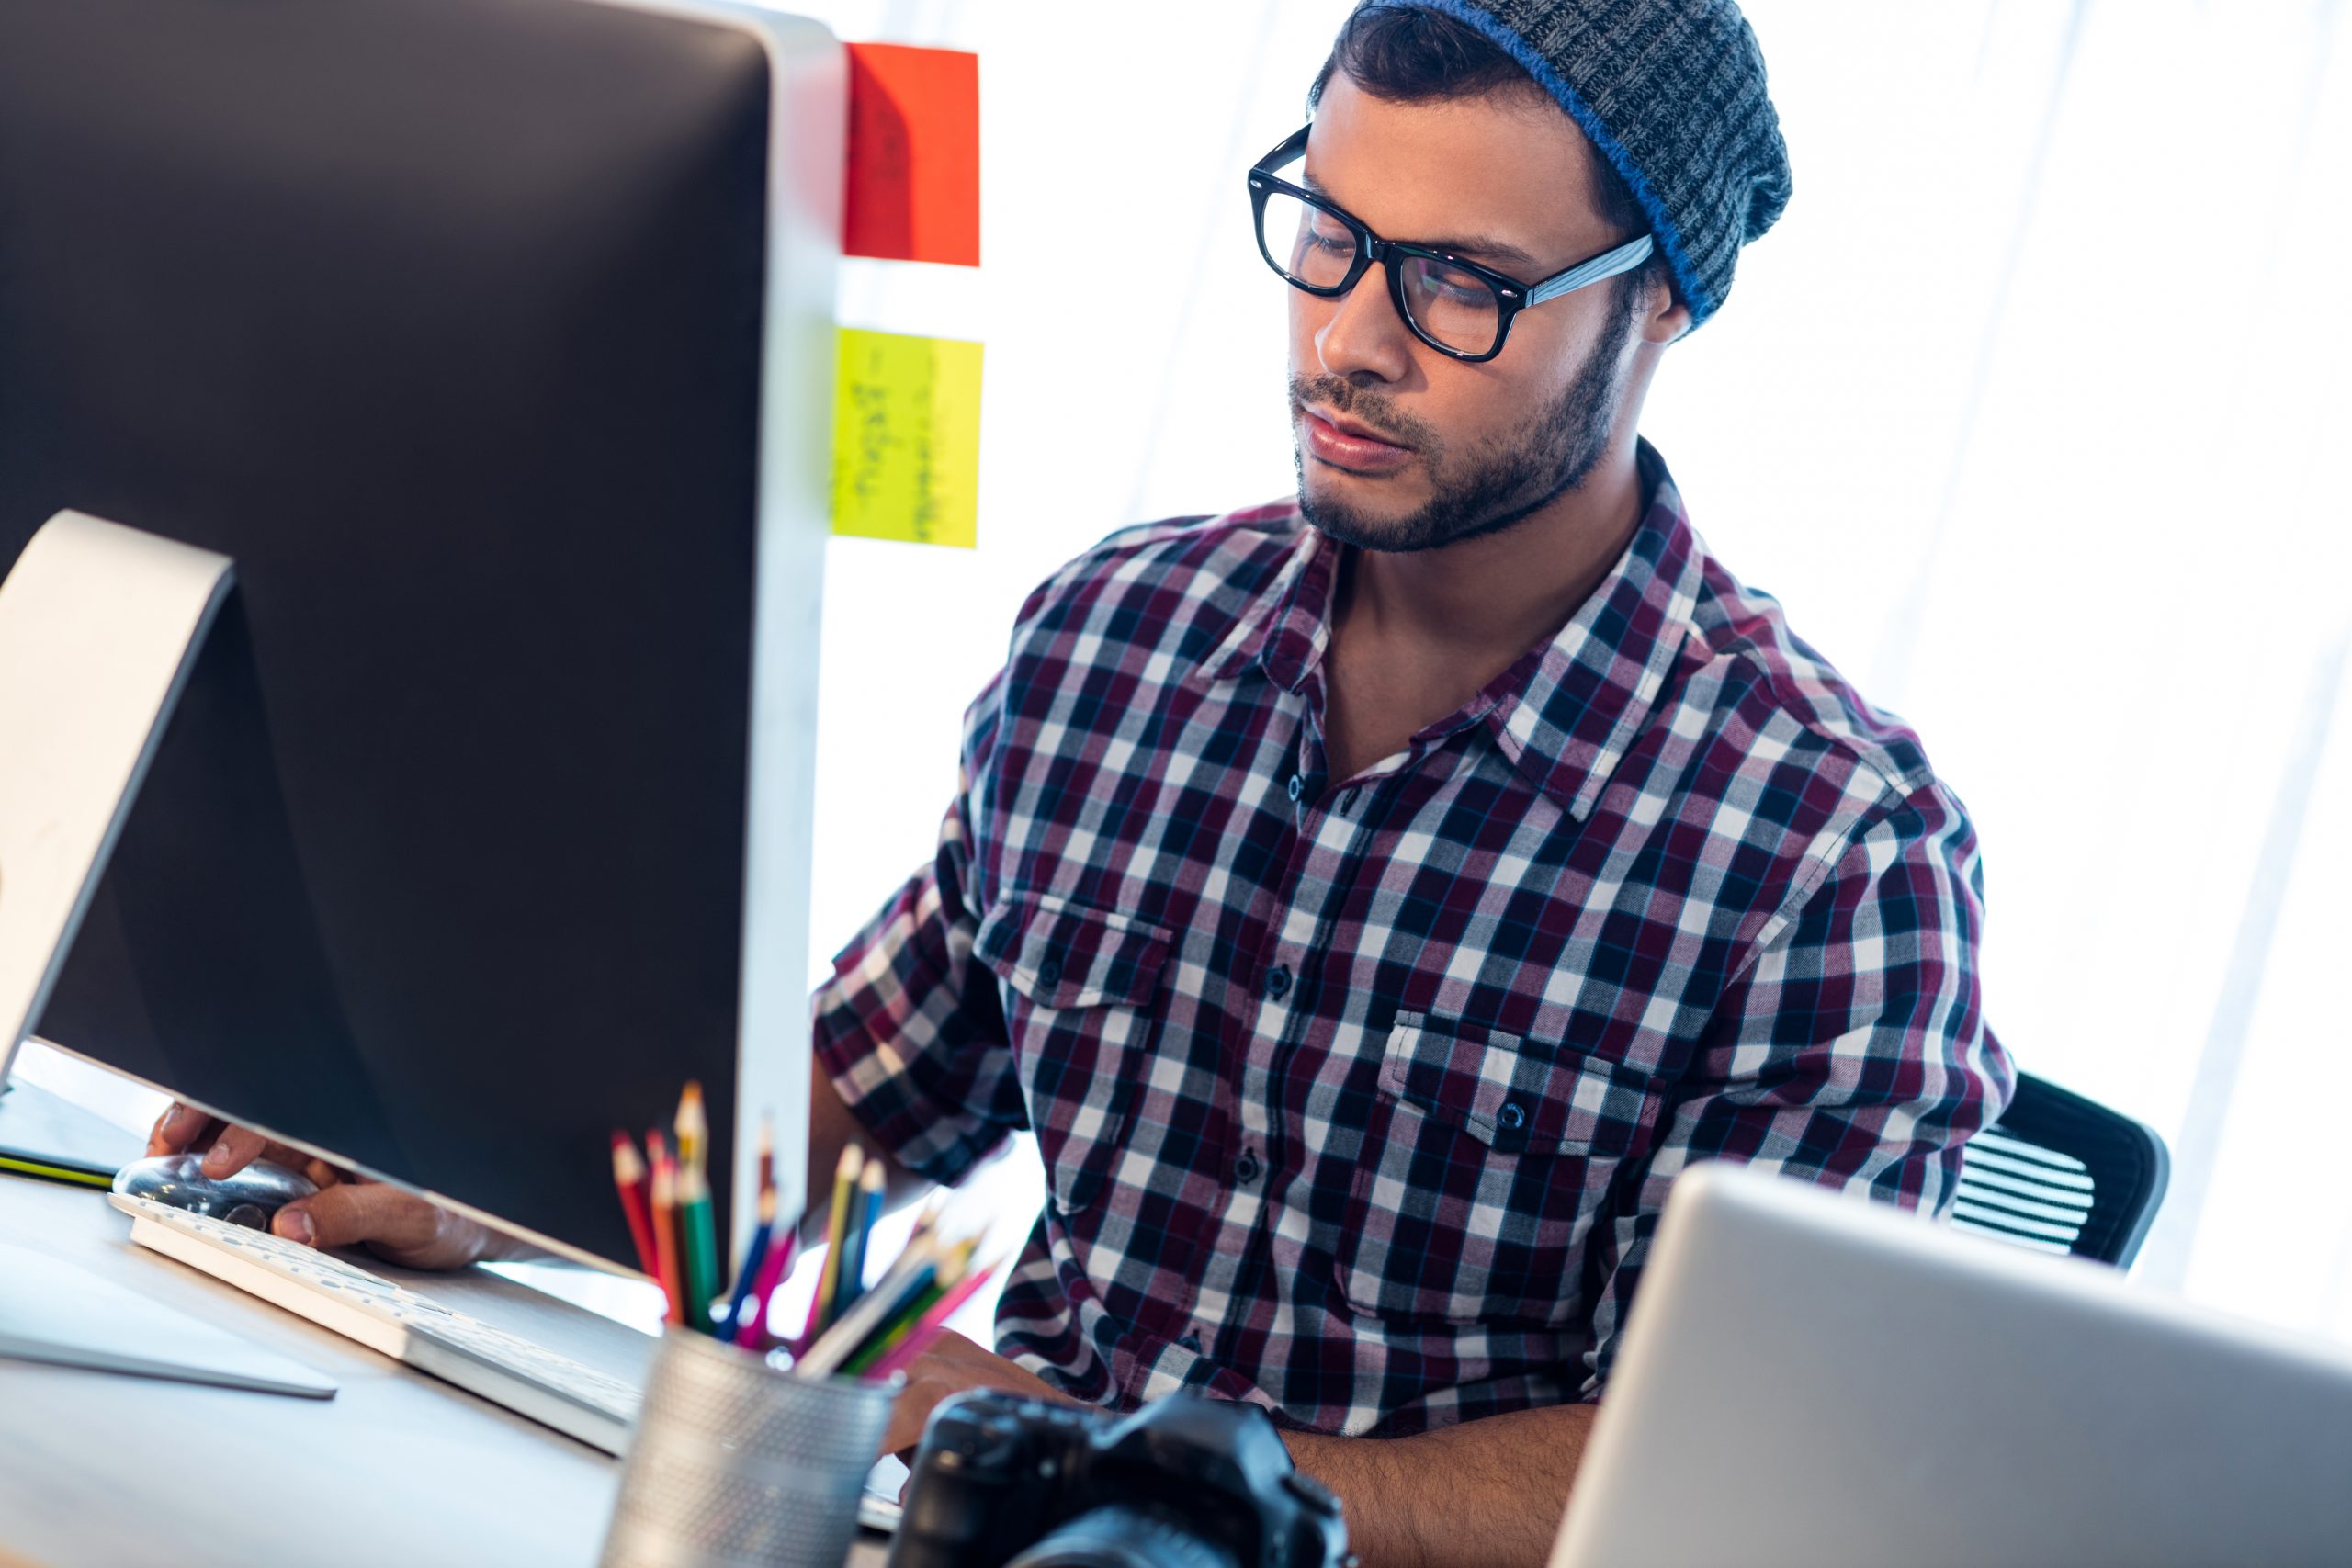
point(1458, 309)
point(1306, 244)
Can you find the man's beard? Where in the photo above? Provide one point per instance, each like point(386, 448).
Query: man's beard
point(1499, 482)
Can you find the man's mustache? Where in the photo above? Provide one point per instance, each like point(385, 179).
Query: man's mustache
point(1368, 408)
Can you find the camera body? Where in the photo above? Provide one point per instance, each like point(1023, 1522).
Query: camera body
point(1001, 1480)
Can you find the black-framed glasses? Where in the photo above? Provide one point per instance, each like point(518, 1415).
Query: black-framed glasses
point(1457, 307)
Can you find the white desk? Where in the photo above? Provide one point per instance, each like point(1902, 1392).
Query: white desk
point(397, 1468)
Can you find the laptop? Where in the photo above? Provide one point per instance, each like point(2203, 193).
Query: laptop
point(1815, 1379)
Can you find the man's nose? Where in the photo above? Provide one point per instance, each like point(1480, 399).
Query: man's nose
point(1365, 332)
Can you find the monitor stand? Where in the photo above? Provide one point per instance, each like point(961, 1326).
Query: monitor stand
point(99, 626)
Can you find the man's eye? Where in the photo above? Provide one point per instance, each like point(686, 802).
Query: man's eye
point(1456, 287)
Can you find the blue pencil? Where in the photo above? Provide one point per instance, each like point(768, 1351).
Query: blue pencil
point(746, 1275)
point(851, 1282)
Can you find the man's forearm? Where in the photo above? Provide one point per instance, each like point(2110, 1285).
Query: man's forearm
point(1489, 1492)
point(832, 1127)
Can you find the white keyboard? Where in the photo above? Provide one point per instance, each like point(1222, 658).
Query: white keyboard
point(499, 1366)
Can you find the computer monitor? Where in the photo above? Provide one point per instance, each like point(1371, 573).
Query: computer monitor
point(490, 340)
point(1817, 1379)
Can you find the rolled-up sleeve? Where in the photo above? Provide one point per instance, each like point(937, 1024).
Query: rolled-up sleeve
point(910, 1027)
point(1851, 1050)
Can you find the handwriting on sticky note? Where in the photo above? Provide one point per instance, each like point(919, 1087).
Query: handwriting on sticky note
point(907, 438)
point(913, 186)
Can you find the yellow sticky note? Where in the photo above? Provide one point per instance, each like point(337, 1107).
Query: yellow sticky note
point(907, 439)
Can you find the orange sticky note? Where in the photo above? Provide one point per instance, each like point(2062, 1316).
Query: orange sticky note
point(913, 190)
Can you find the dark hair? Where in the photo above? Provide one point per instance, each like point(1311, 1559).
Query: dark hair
point(1407, 54)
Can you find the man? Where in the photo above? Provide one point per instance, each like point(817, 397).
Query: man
point(1371, 901)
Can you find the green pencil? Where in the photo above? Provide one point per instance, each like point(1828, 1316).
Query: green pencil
point(701, 1246)
point(891, 1334)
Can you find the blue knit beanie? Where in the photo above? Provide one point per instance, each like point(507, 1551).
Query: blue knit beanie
point(1672, 93)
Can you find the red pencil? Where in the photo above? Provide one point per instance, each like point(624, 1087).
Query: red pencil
point(665, 1226)
point(629, 1179)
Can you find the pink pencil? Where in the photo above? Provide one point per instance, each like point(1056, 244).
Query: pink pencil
point(927, 1327)
point(783, 1242)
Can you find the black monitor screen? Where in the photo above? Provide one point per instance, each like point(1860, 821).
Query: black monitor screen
point(442, 318)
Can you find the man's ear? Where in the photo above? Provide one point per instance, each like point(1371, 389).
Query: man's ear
point(1664, 316)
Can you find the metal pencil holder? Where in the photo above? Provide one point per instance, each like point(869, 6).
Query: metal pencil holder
point(735, 1464)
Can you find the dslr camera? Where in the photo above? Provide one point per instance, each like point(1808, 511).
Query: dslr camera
point(1002, 1482)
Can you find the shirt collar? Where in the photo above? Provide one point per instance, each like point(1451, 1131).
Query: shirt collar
point(1566, 713)
point(1287, 626)
point(1596, 682)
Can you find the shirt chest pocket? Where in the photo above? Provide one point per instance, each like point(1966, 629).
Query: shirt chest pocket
point(1079, 987)
point(1485, 1163)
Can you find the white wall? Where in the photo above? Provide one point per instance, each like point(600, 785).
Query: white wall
point(2029, 410)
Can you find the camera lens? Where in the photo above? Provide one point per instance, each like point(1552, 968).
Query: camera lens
point(1123, 1536)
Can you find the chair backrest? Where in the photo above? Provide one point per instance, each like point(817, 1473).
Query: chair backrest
point(2062, 1174)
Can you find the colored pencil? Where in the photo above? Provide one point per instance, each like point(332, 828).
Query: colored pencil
point(901, 1322)
point(15, 1165)
point(699, 1242)
point(748, 1272)
point(629, 1177)
point(784, 1243)
point(845, 1176)
point(908, 1277)
point(864, 1210)
point(694, 1130)
point(850, 1330)
point(665, 1225)
point(928, 1327)
point(954, 1262)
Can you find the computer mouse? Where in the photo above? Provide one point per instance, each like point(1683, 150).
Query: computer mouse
point(250, 1198)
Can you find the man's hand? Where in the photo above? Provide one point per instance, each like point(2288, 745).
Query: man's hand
point(951, 1365)
point(1487, 1494)
point(347, 1211)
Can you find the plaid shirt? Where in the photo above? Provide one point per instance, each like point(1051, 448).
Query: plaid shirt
point(1360, 1098)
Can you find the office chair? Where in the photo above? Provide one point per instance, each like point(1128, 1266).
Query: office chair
point(2062, 1174)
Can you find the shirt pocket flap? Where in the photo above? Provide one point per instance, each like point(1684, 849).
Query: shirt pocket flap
point(1061, 954)
point(1513, 1094)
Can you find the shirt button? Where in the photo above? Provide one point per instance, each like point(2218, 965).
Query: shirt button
point(1297, 786)
point(1247, 1170)
point(1277, 982)
point(1049, 973)
point(1513, 1116)
point(1190, 1342)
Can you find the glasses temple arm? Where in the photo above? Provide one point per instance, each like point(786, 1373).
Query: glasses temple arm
point(1608, 263)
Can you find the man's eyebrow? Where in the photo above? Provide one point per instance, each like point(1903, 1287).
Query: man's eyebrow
point(1477, 247)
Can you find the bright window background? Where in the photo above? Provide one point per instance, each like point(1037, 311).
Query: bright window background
point(2031, 411)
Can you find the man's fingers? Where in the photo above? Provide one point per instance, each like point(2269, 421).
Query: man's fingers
point(228, 1150)
point(293, 1159)
point(179, 1127)
point(235, 1149)
point(352, 1212)
point(904, 1432)
point(397, 1227)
